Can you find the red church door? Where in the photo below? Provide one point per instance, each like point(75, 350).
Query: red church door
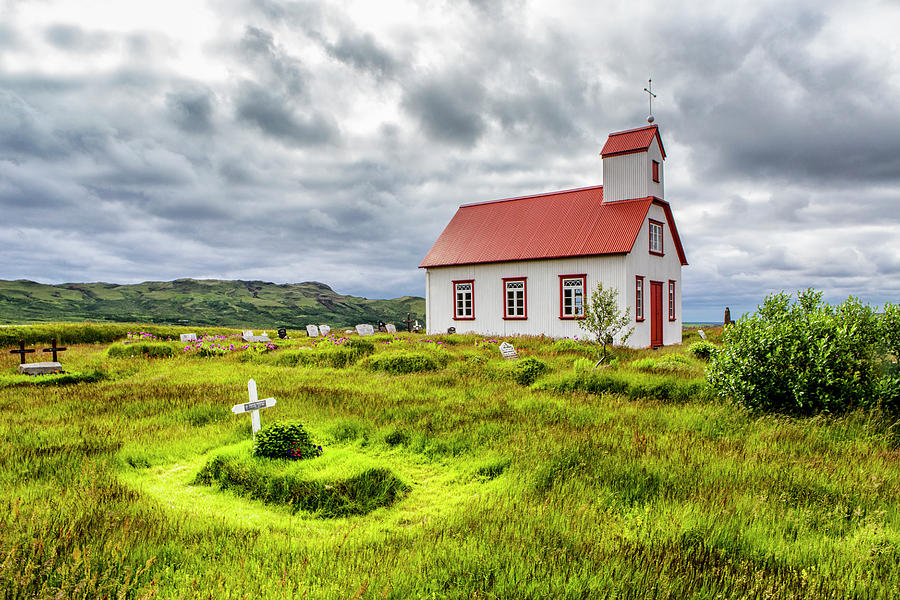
point(656, 314)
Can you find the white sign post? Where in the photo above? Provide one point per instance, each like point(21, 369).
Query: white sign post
point(253, 406)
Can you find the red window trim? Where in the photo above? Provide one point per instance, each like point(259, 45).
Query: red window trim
point(671, 299)
point(524, 280)
point(637, 305)
point(655, 171)
point(454, 316)
point(583, 277)
point(661, 238)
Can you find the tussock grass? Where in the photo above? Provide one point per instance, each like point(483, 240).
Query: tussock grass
point(588, 483)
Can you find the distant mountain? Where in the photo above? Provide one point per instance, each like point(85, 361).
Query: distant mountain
point(250, 304)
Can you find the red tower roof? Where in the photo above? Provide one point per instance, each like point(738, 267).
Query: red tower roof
point(633, 140)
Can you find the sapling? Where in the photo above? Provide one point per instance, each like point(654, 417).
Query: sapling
point(604, 320)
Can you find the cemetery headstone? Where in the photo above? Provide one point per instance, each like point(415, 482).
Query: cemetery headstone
point(54, 349)
point(365, 330)
point(702, 334)
point(253, 406)
point(249, 337)
point(451, 330)
point(312, 331)
point(246, 335)
point(381, 326)
point(348, 331)
point(508, 351)
point(324, 330)
point(282, 333)
point(391, 328)
point(727, 316)
point(188, 337)
point(416, 326)
point(409, 322)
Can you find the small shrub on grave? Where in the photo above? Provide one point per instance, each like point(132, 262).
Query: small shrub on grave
point(527, 370)
point(703, 350)
point(142, 350)
point(285, 440)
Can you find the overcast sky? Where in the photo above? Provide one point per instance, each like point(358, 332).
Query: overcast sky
point(333, 141)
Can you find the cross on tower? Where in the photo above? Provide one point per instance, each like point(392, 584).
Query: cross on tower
point(54, 349)
point(651, 97)
point(22, 351)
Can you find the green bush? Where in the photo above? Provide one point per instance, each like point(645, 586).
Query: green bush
point(398, 363)
point(889, 325)
point(141, 349)
point(527, 370)
point(285, 440)
point(802, 357)
point(703, 350)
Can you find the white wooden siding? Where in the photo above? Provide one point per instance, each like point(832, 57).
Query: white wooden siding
point(629, 176)
point(542, 294)
point(655, 268)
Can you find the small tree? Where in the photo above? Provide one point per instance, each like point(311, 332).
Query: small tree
point(604, 320)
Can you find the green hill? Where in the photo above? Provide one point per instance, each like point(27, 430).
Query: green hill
point(250, 304)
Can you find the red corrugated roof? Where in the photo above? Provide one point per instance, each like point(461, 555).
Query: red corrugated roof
point(553, 225)
point(633, 140)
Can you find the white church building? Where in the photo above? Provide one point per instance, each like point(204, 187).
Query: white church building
point(527, 265)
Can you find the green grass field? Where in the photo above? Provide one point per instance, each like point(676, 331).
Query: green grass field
point(499, 481)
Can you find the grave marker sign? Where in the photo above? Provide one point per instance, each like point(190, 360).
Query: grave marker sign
point(702, 334)
point(391, 328)
point(508, 351)
point(22, 351)
point(188, 337)
point(324, 330)
point(54, 349)
point(365, 330)
point(312, 331)
point(253, 407)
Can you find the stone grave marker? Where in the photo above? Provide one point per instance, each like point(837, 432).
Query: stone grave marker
point(409, 322)
point(416, 326)
point(188, 337)
point(382, 326)
point(312, 331)
point(365, 330)
point(22, 351)
point(253, 406)
point(249, 337)
point(391, 328)
point(451, 330)
point(702, 334)
point(508, 351)
point(282, 333)
point(324, 330)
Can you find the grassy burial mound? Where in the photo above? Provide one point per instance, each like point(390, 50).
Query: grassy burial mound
point(445, 471)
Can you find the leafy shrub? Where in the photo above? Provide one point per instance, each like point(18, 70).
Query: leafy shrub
point(889, 325)
point(285, 440)
point(527, 370)
point(703, 350)
point(397, 363)
point(142, 349)
point(801, 357)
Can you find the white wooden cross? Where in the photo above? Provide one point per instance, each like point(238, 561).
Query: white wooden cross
point(253, 406)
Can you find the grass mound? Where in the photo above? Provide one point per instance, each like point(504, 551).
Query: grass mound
point(665, 388)
point(398, 363)
point(357, 495)
point(141, 350)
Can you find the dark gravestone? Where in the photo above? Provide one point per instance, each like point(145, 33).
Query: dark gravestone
point(727, 316)
point(451, 330)
point(282, 333)
point(409, 322)
point(22, 351)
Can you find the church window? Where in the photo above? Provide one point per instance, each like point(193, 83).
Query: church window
point(656, 237)
point(639, 298)
point(515, 298)
point(671, 300)
point(464, 299)
point(655, 171)
point(571, 296)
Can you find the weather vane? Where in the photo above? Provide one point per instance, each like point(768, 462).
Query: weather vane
point(651, 97)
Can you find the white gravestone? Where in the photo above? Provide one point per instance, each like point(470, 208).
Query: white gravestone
point(188, 337)
point(249, 337)
point(312, 331)
point(508, 351)
point(391, 328)
point(253, 406)
point(364, 330)
point(701, 334)
point(324, 330)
